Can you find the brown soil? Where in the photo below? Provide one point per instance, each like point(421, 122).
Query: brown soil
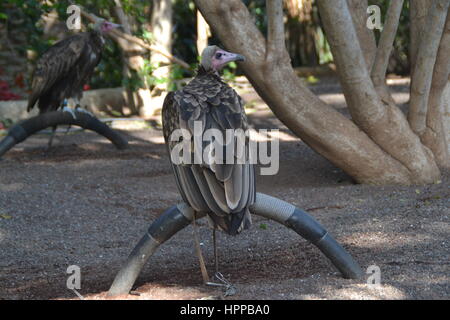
point(85, 203)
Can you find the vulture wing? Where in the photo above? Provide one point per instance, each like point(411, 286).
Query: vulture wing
point(224, 191)
point(54, 64)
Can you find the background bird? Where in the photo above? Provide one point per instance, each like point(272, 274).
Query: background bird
point(223, 191)
point(65, 67)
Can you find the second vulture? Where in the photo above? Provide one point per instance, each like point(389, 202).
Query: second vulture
point(65, 67)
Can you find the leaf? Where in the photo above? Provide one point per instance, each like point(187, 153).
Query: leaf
point(263, 226)
point(5, 216)
point(417, 191)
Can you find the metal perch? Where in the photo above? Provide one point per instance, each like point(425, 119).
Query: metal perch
point(26, 128)
point(180, 216)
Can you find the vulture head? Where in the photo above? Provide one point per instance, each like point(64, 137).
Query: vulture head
point(214, 58)
point(104, 26)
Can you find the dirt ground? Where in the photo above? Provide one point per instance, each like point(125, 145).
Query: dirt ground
point(85, 203)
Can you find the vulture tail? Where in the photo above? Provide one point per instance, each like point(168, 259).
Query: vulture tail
point(232, 223)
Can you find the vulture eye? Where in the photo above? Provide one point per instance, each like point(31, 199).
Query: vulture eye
point(218, 55)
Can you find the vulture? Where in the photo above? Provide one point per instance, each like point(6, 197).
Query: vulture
point(223, 191)
point(63, 69)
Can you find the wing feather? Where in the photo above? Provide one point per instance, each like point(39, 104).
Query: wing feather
point(224, 191)
point(53, 65)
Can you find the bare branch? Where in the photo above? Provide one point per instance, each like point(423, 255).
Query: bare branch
point(386, 42)
point(425, 61)
point(93, 18)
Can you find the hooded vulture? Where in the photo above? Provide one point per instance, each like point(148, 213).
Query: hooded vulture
point(223, 191)
point(65, 67)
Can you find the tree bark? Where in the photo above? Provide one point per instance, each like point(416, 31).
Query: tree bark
point(320, 126)
point(417, 18)
point(383, 52)
point(434, 135)
point(366, 38)
point(425, 60)
point(385, 124)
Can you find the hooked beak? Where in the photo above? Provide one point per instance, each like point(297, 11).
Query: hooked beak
point(115, 25)
point(237, 57)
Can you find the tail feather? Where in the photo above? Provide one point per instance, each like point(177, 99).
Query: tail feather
point(232, 223)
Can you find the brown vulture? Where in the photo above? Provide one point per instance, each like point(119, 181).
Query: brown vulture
point(223, 191)
point(65, 67)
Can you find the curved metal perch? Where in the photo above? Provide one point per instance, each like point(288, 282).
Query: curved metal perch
point(178, 217)
point(26, 128)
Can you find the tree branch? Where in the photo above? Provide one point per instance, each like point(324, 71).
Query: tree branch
point(366, 36)
point(425, 61)
point(418, 11)
point(386, 43)
point(93, 18)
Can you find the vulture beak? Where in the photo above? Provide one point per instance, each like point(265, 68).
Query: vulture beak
point(115, 25)
point(236, 57)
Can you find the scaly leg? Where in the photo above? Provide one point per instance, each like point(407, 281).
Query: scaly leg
point(229, 288)
point(50, 141)
point(199, 253)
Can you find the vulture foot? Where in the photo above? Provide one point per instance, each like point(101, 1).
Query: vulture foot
point(71, 111)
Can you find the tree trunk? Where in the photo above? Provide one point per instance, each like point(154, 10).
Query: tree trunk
point(417, 18)
point(161, 23)
point(434, 134)
point(132, 55)
point(366, 37)
point(378, 147)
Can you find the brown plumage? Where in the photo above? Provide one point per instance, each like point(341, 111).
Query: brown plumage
point(223, 191)
point(65, 67)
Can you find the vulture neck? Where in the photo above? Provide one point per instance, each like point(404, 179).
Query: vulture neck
point(201, 71)
point(97, 37)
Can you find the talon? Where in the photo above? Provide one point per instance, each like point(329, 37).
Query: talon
point(79, 109)
point(71, 111)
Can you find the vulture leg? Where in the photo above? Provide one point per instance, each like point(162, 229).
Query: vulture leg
point(50, 140)
point(229, 288)
point(198, 250)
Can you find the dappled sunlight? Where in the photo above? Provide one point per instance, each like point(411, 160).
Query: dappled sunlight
point(358, 292)
point(384, 240)
point(158, 291)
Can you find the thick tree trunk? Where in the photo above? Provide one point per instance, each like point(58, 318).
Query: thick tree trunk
point(393, 155)
point(434, 134)
point(425, 60)
point(446, 115)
